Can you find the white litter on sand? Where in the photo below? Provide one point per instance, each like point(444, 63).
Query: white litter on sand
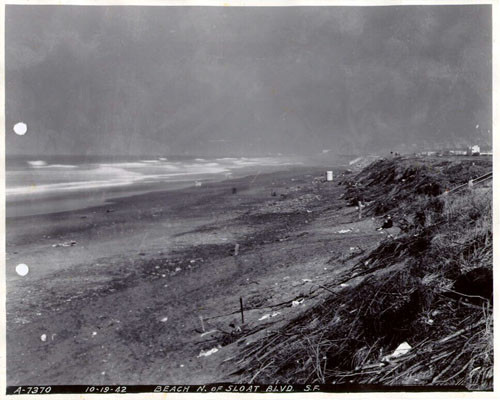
point(65, 244)
point(296, 303)
point(345, 231)
point(266, 316)
point(43, 338)
point(208, 333)
point(356, 160)
point(164, 319)
point(208, 352)
point(401, 350)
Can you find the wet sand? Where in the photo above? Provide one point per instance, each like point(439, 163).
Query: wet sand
point(117, 291)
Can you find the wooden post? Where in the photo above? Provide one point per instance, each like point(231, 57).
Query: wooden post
point(202, 324)
point(241, 309)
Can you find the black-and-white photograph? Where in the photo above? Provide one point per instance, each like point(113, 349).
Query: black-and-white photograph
point(248, 199)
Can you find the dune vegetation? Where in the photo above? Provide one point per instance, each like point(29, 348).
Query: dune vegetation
point(428, 288)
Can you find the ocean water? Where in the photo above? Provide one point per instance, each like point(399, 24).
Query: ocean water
point(53, 184)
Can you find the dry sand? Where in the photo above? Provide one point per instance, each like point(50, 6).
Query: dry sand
point(122, 304)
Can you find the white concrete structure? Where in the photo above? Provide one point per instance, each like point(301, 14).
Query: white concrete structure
point(475, 149)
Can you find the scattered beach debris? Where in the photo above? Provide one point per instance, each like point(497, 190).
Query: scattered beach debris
point(356, 160)
point(355, 250)
point(209, 332)
point(389, 297)
point(197, 184)
point(387, 222)
point(360, 207)
point(43, 338)
point(296, 303)
point(236, 249)
point(345, 231)
point(65, 244)
point(236, 329)
point(164, 319)
point(266, 316)
point(206, 353)
point(202, 324)
point(401, 350)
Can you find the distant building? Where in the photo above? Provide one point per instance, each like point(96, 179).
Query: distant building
point(474, 150)
point(458, 152)
point(427, 153)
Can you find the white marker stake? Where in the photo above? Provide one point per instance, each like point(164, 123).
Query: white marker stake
point(202, 324)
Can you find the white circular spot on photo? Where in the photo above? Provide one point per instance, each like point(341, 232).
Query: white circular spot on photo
point(22, 269)
point(20, 128)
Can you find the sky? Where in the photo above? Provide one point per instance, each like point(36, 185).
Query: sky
point(246, 81)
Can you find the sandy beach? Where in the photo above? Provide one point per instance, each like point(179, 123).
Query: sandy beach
point(149, 289)
point(115, 293)
point(249, 196)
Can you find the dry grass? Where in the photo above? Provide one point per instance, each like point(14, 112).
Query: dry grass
point(410, 293)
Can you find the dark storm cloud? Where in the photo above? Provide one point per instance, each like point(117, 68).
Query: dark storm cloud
point(204, 80)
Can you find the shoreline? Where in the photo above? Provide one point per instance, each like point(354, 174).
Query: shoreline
point(70, 291)
point(35, 201)
point(150, 291)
